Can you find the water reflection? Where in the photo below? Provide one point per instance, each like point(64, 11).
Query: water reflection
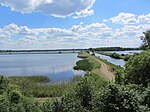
point(118, 62)
point(59, 67)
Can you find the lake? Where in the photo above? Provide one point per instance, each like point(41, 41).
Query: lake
point(58, 67)
point(119, 62)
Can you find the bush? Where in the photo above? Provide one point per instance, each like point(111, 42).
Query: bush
point(116, 56)
point(137, 69)
point(52, 106)
point(84, 92)
point(3, 84)
point(71, 103)
point(119, 76)
point(115, 99)
point(127, 57)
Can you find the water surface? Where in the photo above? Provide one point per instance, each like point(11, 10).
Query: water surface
point(119, 62)
point(58, 67)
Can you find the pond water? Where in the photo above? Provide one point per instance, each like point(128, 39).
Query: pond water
point(58, 67)
point(119, 62)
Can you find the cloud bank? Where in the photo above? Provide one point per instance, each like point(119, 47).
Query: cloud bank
point(57, 8)
point(129, 19)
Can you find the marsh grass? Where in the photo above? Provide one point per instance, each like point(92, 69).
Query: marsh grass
point(41, 86)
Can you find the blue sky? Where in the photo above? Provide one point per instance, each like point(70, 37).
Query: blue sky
point(53, 24)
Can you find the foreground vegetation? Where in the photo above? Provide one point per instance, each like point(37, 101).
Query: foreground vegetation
point(41, 87)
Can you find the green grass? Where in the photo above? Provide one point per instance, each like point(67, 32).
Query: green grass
point(84, 65)
point(125, 57)
point(38, 79)
point(39, 86)
point(87, 64)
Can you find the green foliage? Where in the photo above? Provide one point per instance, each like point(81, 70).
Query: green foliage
point(146, 40)
point(91, 94)
point(137, 69)
point(115, 99)
point(15, 102)
point(146, 98)
point(113, 49)
point(37, 86)
point(127, 57)
point(84, 91)
point(38, 79)
point(71, 103)
point(115, 55)
point(83, 65)
point(3, 84)
point(15, 97)
point(119, 76)
point(49, 106)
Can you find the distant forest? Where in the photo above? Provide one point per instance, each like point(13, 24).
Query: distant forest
point(113, 49)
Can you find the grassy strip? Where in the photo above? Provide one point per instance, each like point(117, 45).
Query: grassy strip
point(125, 57)
point(87, 64)
point(83, 65)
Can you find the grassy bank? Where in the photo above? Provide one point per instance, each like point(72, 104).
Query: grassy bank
point(87, 64)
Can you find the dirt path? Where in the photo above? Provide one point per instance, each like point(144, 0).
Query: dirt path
point(105, 70)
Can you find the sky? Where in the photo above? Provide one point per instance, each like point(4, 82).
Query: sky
point(59, 24)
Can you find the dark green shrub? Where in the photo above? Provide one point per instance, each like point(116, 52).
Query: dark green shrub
point(137, 69)
point(115, 99)
point(52, 106)
point(84, 92)
point(71, 103)
point(3, 84)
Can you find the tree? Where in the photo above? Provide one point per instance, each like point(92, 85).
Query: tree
point(146, 40)
point(137, 69)
point(115, 99)
point(84, 91)
point(3, 84)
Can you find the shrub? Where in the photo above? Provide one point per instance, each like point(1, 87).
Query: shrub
point(115, 99)
point(3, 84)
point(137, 69)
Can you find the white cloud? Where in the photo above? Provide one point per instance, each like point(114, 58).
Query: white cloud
point(84, 13)
point(97, 34)
point(124, 19)
point(144, 18)
point(78, 36)
point(129, 19)
point(57, 8)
